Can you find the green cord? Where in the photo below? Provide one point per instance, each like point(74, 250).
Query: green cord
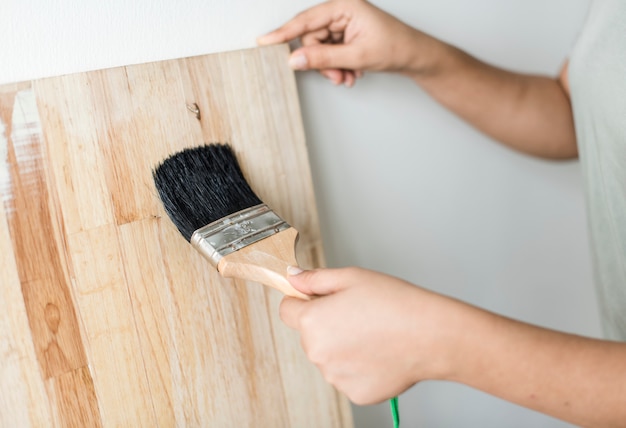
point(395, 412)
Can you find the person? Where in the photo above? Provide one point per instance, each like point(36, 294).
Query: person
point(373, 335)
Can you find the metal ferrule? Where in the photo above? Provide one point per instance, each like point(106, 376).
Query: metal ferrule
point(236, 231)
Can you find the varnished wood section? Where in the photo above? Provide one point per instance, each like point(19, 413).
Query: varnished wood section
point(22, 388)
point(39, 255)
point(108, 317)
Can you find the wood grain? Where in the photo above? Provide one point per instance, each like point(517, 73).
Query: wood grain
point(108, 317)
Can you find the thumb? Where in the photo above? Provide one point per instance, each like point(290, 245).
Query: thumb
point(324, 56)
point(316, 282)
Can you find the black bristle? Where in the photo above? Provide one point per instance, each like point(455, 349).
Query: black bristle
point(201, 185)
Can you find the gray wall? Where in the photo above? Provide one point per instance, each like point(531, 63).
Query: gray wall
point(402, 186)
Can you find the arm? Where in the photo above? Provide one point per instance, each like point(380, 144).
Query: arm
point(343, 39)
point(373, 336)
point(531, 114)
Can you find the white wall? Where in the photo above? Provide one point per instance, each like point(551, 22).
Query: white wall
point(402, 185)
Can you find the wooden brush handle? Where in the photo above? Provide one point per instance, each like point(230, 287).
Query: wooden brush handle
point(266, 262)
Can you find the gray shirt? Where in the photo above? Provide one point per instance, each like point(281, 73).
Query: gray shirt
point(597, 76)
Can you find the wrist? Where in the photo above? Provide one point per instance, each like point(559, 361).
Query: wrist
point(430, 57)
point(452, 332)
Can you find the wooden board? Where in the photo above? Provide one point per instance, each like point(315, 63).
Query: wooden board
point(108, 317)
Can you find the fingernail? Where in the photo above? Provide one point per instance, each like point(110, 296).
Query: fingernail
point(294, 270)
point(263, 40)
point(298, 62)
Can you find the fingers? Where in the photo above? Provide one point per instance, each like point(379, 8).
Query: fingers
point(324, 36)
point(338, 77)
point(322, 30)
point(316, 37)
point(310, 20)
point(325, 56)
point(334, 75)
point(349, 78)
point(290, 311)
point(321, 282)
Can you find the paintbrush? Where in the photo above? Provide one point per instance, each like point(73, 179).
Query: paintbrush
point(210, 202)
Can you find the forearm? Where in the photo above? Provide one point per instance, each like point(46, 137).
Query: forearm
point(528, 113)
point(573, 378)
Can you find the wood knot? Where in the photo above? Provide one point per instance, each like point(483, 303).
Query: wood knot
point(194, 109)
point(52, 315)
